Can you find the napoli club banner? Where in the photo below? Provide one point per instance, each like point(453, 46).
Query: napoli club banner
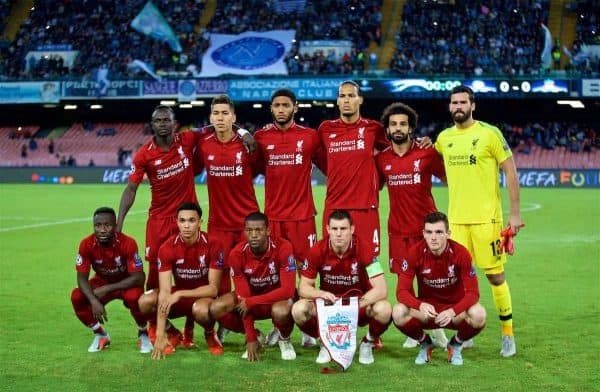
point(250, 53)
point(338, 324)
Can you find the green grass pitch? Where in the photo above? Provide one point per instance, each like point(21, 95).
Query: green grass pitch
point(554, 279)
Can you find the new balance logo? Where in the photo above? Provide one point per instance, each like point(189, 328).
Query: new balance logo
point(180, 261)
point(157, 162)
point(271, 147)
point(332, 136)
point(210, 158)
point(388, 167)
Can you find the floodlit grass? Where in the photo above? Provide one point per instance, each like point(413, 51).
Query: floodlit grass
point(554, 279)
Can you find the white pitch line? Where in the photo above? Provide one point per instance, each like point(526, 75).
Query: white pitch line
point(55, 223)
point(65, 221)
point(532, 207)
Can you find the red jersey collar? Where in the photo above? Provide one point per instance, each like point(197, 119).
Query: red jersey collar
point(267, 255)
point(115, 241)
point(349, 252)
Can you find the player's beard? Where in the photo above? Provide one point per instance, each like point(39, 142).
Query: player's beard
point(399, 138)
point(284, 122)
point(461, 117)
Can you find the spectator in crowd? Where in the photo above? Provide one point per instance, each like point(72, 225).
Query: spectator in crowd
point(32, 144)
point(466, 37)
point(24, 151)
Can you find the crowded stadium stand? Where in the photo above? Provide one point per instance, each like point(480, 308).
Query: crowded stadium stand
point(471, 37)
point(454, 40)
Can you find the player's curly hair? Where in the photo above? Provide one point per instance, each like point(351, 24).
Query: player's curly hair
point(400, 108)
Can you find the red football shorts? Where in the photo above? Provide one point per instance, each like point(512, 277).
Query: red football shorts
point(398, 249)
point(302, 234)
point(158, 230)
point(229, 239)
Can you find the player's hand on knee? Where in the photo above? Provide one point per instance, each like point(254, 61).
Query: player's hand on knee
point(444, 318)
point(428, 310)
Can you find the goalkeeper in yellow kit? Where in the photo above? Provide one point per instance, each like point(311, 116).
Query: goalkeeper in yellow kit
point(473, 152)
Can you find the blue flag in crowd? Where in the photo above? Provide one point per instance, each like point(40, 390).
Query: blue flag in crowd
point(151, 23)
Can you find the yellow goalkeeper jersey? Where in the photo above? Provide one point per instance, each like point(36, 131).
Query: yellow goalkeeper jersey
point(472, 157)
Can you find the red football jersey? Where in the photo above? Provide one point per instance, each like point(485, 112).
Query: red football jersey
point(287, 160)
point(446, 279)
point(112, 263)
point(408, 180)
point(190, 263)
point(351, 175)
point(170, 173)
point(264, 279)
point(338, 275)
point(229, 173)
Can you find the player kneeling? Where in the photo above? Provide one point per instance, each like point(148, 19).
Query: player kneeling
point(342, 271)
point(264, 275)
point(118, 275)
point(448, 291)
point(196, 265)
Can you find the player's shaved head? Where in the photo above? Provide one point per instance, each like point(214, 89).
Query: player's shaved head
point(105, 210)
point(257, 216)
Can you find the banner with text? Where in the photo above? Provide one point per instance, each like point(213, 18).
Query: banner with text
point(184, 91)
point(305, 89)
point(528, 178)
point(114, 89)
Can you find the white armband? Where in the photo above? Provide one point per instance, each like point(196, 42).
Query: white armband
point(242, 132)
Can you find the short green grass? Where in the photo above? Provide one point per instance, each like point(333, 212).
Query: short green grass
point(554, 279)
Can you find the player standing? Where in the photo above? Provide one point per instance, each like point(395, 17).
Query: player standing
point(472, 152)
point(448, 291)
point(350, 143)
point(288, 151)
point(406, 169)
point(118, 274)
point(230, 170)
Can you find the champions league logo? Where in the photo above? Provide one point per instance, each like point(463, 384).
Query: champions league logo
point(249, 53)
point(338, 331)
